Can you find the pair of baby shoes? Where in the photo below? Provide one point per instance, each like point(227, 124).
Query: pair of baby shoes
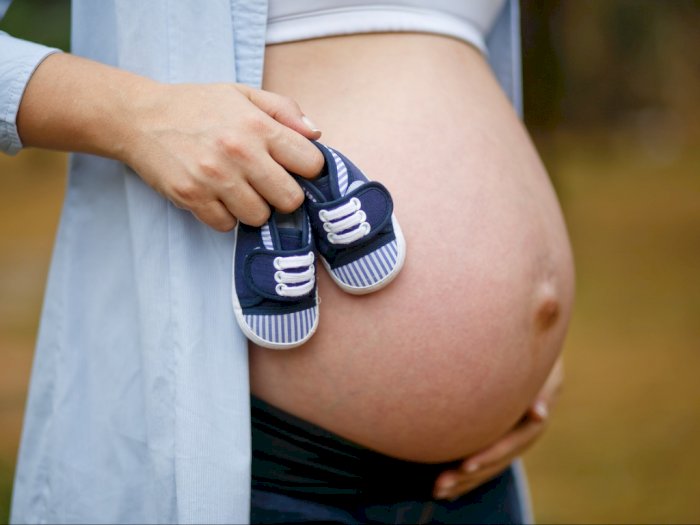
point(347, 220)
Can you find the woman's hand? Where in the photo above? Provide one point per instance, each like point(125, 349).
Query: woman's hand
point(486, 464)
point(221, 151)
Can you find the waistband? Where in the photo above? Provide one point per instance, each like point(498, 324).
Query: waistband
point(294, 457)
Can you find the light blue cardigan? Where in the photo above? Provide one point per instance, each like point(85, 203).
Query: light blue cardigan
point(138, 409)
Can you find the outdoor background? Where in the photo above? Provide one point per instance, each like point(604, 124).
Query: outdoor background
point(612, 100)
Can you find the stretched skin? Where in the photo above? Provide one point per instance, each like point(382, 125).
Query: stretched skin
point(448, 357)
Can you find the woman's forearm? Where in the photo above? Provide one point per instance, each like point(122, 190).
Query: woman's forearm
point(75, 104)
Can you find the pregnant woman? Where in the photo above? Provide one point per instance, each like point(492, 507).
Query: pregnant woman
point(447, 359)
point(138, 408)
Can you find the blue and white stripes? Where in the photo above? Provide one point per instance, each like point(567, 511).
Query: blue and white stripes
point(266, 236)
point(342, 170)
point(283, 329)
point(371, 268)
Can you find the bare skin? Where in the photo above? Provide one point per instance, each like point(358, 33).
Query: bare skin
point(448, 361)
point(490, 461)
point(221, 151)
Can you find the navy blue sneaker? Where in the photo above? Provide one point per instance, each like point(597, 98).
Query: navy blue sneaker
point(356, 232)
point(275, 297)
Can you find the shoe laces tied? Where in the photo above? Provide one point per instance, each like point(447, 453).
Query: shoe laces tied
point(348, 218)
point(294, 284)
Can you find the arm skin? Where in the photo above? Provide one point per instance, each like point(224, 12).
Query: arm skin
point(221, 151)
point(486, 464)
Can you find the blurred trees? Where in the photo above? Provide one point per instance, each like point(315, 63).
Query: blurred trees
point(43, 21)
point(611, 63)
point(586, 63)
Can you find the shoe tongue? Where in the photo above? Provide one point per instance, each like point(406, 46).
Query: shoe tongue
point(323, 184)
point(290, 239)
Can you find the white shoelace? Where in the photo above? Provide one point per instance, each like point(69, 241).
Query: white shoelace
point(348, 217)
point(284, 279)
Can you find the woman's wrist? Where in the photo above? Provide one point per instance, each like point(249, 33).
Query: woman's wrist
point(134, 115)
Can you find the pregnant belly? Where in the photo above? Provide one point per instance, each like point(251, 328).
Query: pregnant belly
point(447, 357)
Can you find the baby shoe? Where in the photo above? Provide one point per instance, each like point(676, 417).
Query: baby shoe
point(275, 297)
point(356, 232)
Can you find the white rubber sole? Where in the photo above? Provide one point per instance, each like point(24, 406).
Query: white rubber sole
point(240, 319)
point(400, 259)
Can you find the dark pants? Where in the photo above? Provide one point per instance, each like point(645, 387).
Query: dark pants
point(305, 474)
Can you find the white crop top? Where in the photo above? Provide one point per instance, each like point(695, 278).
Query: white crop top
point(468, 20)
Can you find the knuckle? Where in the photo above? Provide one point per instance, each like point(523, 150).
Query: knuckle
point(313, 162)
point(290, 103)
point(233, 148)
point(224, 225)
point(211, 170)
point(227, 144)
point(291, 200)
point(187, 191)
point(275, 134)
point(258, 123)
point(258, 215)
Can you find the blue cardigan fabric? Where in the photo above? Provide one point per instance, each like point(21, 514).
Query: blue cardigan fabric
point(138, 408)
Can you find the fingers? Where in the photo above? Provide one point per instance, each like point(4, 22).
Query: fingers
point(548, 394)
point(226, 154)
point(508, 447)
point(276, 186)
point(246, 204)
point(460, 485)
point(289, 143)
point(484, 465)
point(552, 387)
point(295, 153)
point(284, 110)
point(216, 215)
point(222, 190)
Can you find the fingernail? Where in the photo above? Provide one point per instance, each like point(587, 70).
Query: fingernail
point(448, 485)
point(442, 494)
point(472, 467)
point(309, 123)
point(541, 409)
point(445, 487)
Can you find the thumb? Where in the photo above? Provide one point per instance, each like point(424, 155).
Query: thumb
point(284, 110)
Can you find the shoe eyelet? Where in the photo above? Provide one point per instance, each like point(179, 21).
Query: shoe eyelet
point(327, 226)
point(322, 215)
point(356, 202)
point(280, 289)
point(363, 216)
point(278, 277)
point(276, 263)
point(366, 226)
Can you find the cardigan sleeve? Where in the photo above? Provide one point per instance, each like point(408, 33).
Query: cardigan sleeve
point(18, 60)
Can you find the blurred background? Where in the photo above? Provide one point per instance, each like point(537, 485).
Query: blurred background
point(612, 101)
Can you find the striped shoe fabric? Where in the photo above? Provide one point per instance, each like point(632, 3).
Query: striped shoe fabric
point(283, 328)
point(275, 298)
point(370, 269)
point(356, 232)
